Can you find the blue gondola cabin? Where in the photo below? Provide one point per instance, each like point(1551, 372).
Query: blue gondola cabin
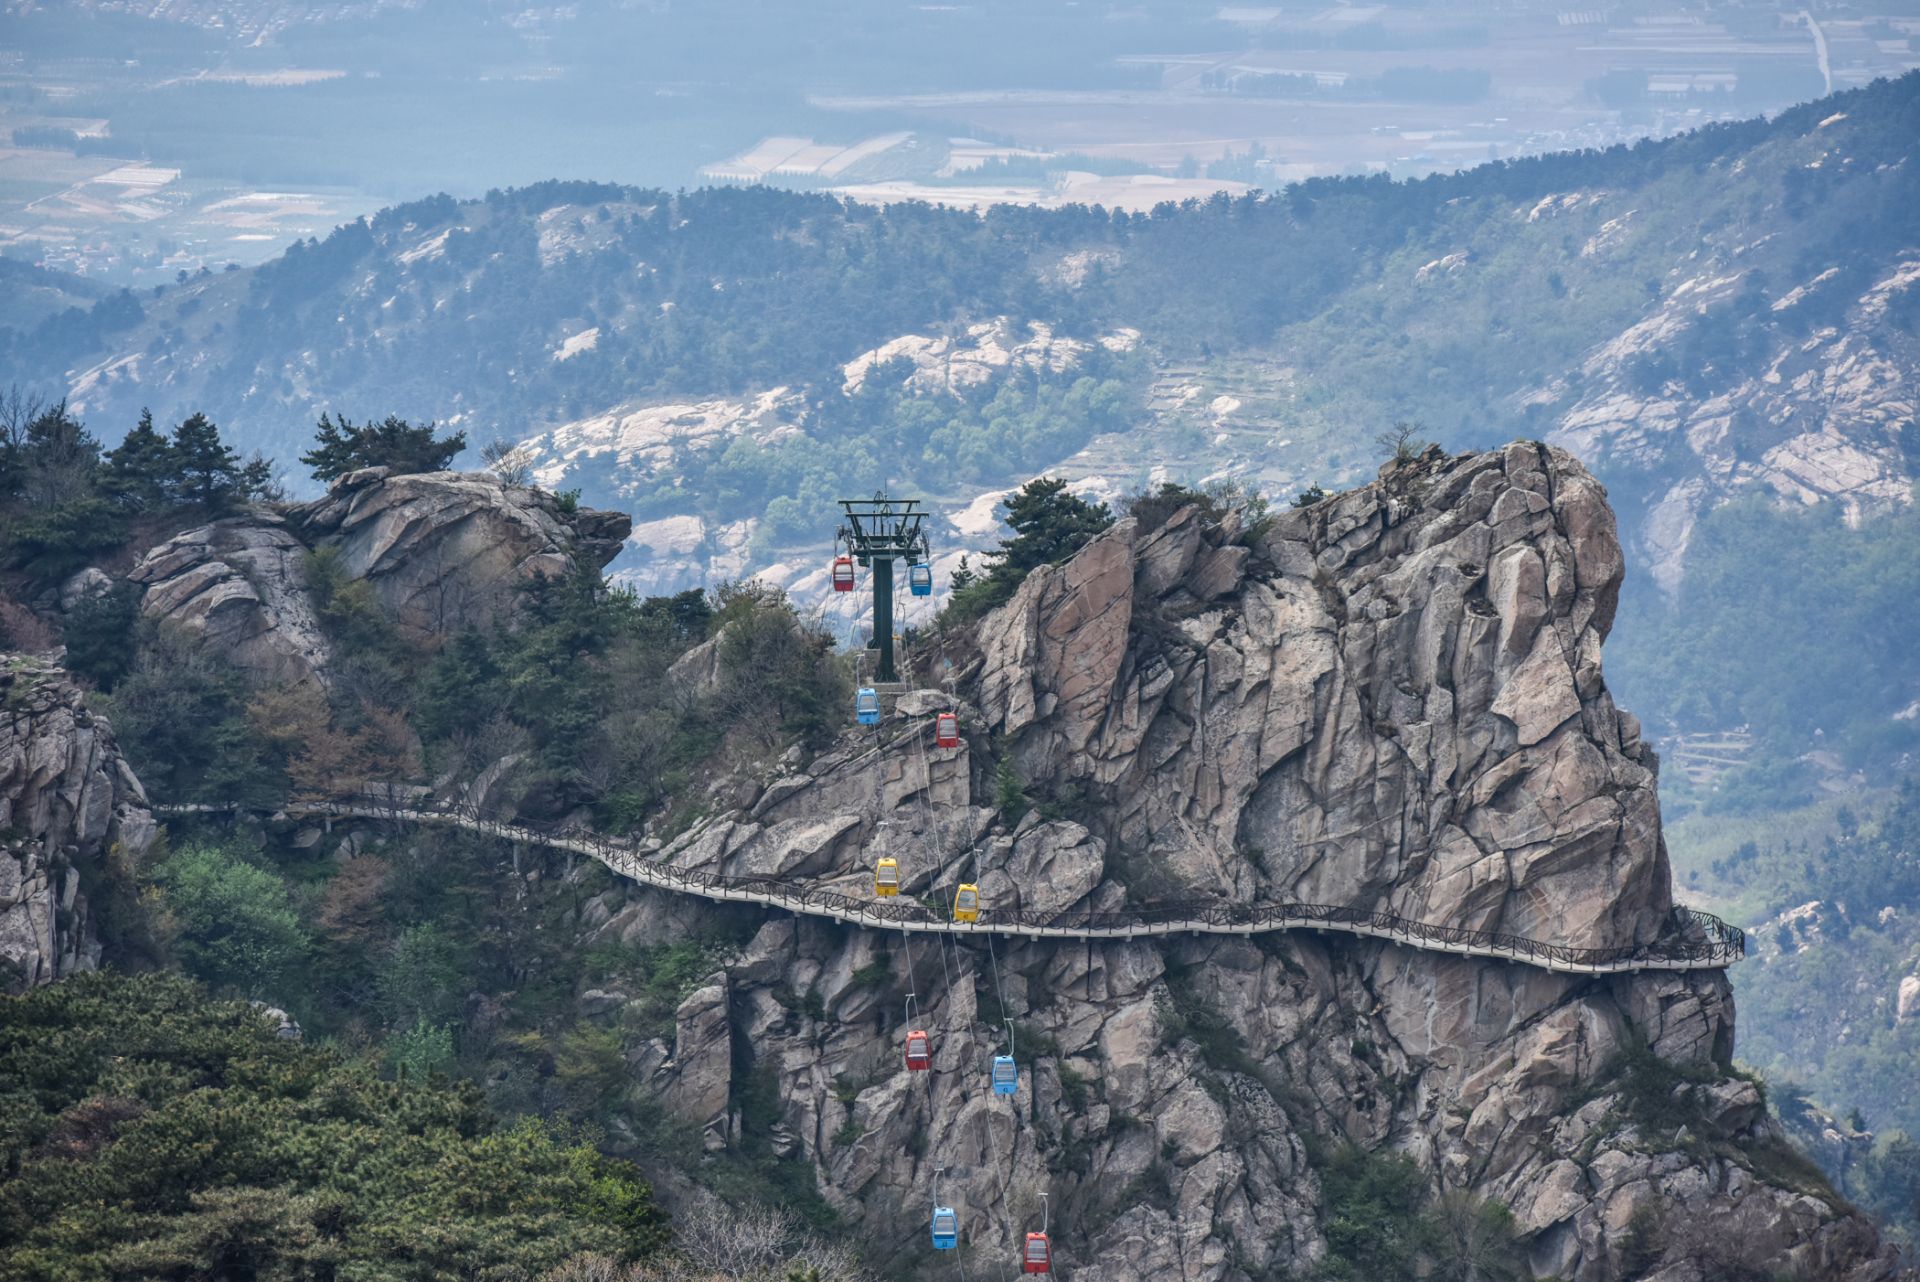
point(920, 579)
point(866, 706)
point(919, 1051)
point(946, 730)
point(1006, 1075)
point(946, 1228)
point(1038, 1257)
point(886, 877)
point(843, 574)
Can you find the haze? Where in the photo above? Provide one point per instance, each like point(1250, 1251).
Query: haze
point(151, 137)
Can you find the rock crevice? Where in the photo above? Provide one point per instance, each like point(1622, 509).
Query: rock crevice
point(74, 824)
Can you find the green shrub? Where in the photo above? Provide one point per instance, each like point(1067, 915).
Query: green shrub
point(873, 975)
point(229, 923)
point(1009, 794)
point(423, 981)
point(1372, 1205)
point(180, 716)
point(1658, 1095)
point(48, 544)
point(421, 1051)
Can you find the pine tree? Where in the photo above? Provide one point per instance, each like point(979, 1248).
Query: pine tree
point(141, 474)
point(341, 447)
point(1049, 524)
point(58, 459)
point(209, 471)
point(256, 478)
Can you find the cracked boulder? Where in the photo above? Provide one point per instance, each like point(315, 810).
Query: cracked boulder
point(241, 585)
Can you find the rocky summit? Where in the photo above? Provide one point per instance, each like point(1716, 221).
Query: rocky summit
point(1391, 698)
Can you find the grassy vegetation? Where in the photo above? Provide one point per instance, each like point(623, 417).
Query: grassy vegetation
point(1747, 866)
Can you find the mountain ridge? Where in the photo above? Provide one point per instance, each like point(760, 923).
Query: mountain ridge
point(1652, 306)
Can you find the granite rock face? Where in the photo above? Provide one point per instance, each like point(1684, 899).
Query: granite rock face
point(1393, 698)
point(442, 550)
point(73, 819)
point(447, 550)
point(241, 584)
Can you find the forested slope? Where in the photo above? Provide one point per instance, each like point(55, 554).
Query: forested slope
point(1731, 307)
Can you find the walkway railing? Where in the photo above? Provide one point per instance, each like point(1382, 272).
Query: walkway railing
point(1693, 940)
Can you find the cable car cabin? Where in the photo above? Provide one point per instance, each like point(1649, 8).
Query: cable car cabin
point(886, 877)
point(1038, 1257)
point(946, 1228)
point(866, 706)
point(966, 902)
point(920, 579)
point(946, 730)
point(843, 574)
point(919, 1051)
point(1006, 1075)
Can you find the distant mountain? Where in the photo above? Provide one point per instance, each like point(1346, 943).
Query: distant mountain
point(1731, 309)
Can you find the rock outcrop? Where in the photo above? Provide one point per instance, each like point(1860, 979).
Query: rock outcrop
point(1393, 698)
point(241, 584)
point(447, 550)
point(442, 551)
point(73, 823)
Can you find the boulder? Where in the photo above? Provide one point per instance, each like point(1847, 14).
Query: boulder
point(84, 586)
point(1049, 867)
point(697, 1082)
point(241, 584)
point(449, 550)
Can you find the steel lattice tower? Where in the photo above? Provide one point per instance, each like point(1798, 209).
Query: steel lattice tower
point(879, 531)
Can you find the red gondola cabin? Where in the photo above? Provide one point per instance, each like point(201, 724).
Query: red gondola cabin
point(843, 574)
point(919, 1051)
point(946, 730)
point(1038, 1257)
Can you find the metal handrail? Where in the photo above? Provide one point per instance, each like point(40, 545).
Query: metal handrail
point(1693, 940)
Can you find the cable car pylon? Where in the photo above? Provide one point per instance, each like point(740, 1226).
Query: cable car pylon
point(877, 532)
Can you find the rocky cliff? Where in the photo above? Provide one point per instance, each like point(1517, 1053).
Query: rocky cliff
point(1393, 698)
point(73, 824)
point(441, 550)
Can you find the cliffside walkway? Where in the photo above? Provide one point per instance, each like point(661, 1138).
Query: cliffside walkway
point(1693, 941)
